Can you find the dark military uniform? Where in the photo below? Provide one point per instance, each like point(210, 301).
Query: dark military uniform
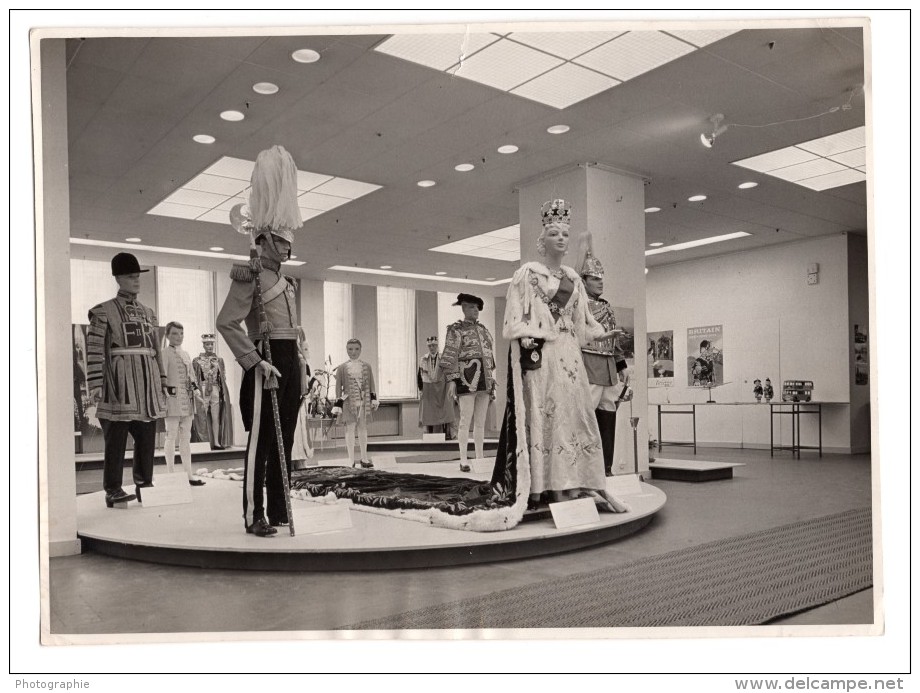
point(262, 463)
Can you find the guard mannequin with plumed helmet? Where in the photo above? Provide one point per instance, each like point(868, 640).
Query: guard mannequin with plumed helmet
point(274, 217)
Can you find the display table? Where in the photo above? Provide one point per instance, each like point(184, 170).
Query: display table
point(794, 410)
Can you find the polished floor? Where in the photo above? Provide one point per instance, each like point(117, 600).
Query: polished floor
point(93, 594)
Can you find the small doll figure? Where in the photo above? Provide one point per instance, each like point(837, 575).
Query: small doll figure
point(758, 390)
point(767, 390)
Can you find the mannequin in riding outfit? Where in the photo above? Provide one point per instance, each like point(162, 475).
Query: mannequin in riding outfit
point(275, 215)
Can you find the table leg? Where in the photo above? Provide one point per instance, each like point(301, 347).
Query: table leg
point(772, 446)
point(659, 428)
point(820, 444)
point(694, 429)
point(797, 432)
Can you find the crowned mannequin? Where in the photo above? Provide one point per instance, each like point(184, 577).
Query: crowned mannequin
point(214, 418)
point(547, 320)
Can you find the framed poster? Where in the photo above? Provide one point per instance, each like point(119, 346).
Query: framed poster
point(660, 348)
point(704, 356)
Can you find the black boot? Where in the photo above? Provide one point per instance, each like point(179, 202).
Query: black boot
point(607, 423)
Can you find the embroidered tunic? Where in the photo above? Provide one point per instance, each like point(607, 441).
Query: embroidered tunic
point(603, 357)
point(123, 358)
point(468, 357)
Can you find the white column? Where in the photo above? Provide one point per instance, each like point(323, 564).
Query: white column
point(57, 468)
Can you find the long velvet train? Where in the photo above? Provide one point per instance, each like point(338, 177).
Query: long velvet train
point(452, 503)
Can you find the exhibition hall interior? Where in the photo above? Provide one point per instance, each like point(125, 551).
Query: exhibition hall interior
point(514, 327)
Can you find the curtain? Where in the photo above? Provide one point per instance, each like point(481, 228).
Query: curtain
point(396, 346)
point(186, 296)
point(338, 324)
point(91, 283)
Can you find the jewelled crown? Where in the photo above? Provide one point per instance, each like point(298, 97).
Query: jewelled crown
point(432, 340)
point(556, 212)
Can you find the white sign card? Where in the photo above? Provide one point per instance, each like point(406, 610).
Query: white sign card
point(314, 518)
point(574, 513)
point(624, 485)
point(433, 438)
point(168, 489)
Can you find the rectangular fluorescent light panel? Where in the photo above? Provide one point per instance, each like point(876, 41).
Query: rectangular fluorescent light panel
point(501, 244)
point(557, 69)
point(171, 251)
point(694, 244)
point(827, 162)
point(413, 275)
point(211, 194)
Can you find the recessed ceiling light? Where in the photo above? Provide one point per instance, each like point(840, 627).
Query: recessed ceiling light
point(265, 88)
point(650, 210)
point(656, 244)
point(440, 274)
point(215, 248)
point(557, 129)
point(646, 270)
point(232, 115)
point(490, 279)
point(749, 184)
point(426, 183)
point(386, 266)
point(293, 257)
point(305, 55)
point(507, 149)
point(133, 240)
point(203, 139)
point(696, 198)
point(464, 167)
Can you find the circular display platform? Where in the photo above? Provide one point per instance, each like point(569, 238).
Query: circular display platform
point(209, 533)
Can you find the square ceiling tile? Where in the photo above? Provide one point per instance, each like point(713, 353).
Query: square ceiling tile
point(169, 209)
point(504, 65)
point(307, 180)
point(837, 143)
point(788, 156)
point(834, 180)
point(216, 216)
point(231, 167)
point(314, 200)
point(216, 184)
point(233, 202)
point(566, 85)
point(701, 37)
point(438, 51)
point(634, 53)
point(306, 213)
point(344, 187)
point(808, 169)
point(568, 44)
point(853, 158)
point(196, 198)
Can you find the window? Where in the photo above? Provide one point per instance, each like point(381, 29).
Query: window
point(396, 349)
point(186, 296)
point(338, 323)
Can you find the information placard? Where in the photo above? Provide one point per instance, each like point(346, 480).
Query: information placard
point(314, 518)
point(483, 465)
point(384, 461)
point(624, 485)
point(168, 489)
point(574, 513)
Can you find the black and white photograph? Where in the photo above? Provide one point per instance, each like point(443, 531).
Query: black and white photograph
point(351, 316)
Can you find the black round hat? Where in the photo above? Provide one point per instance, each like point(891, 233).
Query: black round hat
point(125, 263)
point(469, 298)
